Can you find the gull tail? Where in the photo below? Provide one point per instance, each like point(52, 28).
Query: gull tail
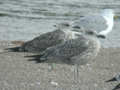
point(36, 58)
point(14, 49)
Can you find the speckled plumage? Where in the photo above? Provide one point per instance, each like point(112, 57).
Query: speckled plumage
point(74, 51)
point(43, 41)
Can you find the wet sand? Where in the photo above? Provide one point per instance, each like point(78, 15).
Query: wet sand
point(18, 72)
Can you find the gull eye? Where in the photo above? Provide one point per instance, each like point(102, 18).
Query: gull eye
point(90, 32)
point(66, 24)
point(55, 25)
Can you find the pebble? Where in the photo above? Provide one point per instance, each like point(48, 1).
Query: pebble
point(54, 83)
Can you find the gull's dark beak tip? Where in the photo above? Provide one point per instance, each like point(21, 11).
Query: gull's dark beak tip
point(101, 36)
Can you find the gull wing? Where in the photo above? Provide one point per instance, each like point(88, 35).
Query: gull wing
point(71, 48)
point(43, 41)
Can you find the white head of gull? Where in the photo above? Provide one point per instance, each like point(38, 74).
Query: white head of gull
point(102, 23)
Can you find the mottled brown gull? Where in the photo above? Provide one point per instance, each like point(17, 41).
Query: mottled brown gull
point(49, 39)
point(77, 50)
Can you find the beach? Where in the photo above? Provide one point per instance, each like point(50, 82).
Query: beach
point(22, 20)
point(18, 72)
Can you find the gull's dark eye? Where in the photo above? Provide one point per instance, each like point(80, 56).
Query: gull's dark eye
point(90, 32)
point(66, 24)
point(55, 25)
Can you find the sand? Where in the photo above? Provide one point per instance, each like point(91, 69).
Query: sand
point(18, 72)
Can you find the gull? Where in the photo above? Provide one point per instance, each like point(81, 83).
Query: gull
point(116, 78)
point(102, 23)
point(48, 39)
point(76, 51)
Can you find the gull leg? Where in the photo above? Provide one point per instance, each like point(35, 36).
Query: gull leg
point(52, 66)
point(76, 73)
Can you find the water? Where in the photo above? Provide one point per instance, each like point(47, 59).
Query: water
point(26, 19)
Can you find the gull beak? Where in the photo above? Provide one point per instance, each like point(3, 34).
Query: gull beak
point(101, 36)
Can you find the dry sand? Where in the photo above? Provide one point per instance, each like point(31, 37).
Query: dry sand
point(18, 72)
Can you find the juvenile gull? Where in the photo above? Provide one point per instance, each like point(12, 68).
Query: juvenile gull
point(75, 51)
point(102, 23)
point(46, 40)
point(116, 78)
